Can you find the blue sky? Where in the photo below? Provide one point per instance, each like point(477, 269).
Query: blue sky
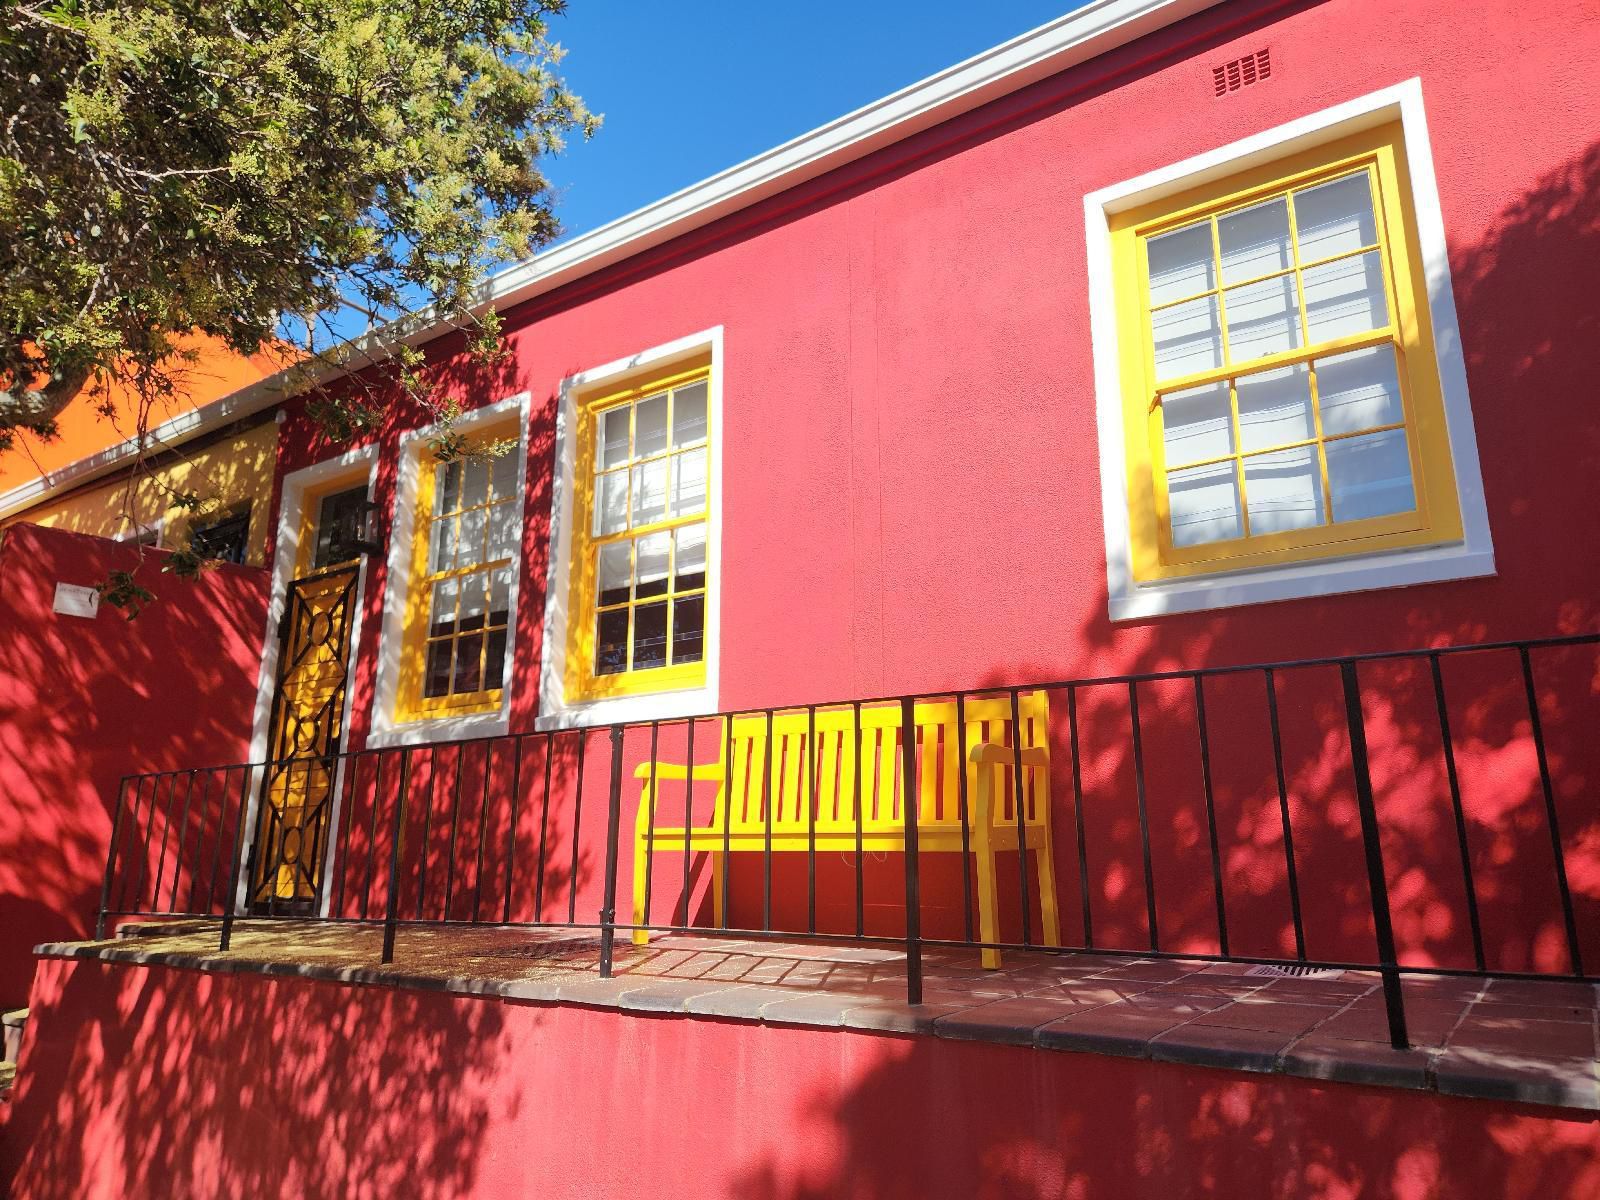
point(690, 88)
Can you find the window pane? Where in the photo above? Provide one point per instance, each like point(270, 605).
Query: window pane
point(650, 492)
point(474, 601)
point(1284, 489)
point(614, 572)
point(500, 596)
point(614, 435)
point(474, 529)
point(1263, 318)
point(446, 487)
point(689, 414)
point(436, 674)
point(1275, 407)
point(503, 472)
point(1196, 424)
point(494, 668)
point(1335, 218)
point(611, 642)
point(503, 521)
point(1204, 504)
point(1370, 476)
point(611, 510)
point(445, 540)
point(689, 482)
point(652, 554)
point(1181, 264)
point(690, 567)
point(1359, 390)
point(688, 629)
point(442, 610)
point(1187, 337)
point(469, 665)
point(650, 426)
point(1345, 297)
point(1255, 241)
point(649, 636)
point(475, 483)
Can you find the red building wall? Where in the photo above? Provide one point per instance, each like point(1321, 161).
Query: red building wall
point(911, 475)
point(244, 1085)
point(85, 701)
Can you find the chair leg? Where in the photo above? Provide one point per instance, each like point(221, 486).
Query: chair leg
point(1046, 860)
point(983, 850)
point(641, 937)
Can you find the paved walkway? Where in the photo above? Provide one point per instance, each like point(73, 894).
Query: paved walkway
point(1532, 1042)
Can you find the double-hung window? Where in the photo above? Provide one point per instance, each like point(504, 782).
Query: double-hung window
point(1280, 390)
point(637, 608)
point(458, 611)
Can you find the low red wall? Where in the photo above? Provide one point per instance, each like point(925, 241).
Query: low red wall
point(85, 701)
point(153, 1082)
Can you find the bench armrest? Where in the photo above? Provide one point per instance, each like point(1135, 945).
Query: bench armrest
point(705, 771)
point(993, 754)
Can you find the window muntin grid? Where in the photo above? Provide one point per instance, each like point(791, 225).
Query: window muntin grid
point(1272, 343)
point(643, 556)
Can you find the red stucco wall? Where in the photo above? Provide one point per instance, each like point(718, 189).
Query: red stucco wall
point(153, 1083)
point(911, 479)
point(83, 702)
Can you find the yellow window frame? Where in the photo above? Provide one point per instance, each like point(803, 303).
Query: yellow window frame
point(410, 703)
point(580, 680)
point(1437, 516)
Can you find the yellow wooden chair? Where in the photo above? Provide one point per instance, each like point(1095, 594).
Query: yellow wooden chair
point(816, 755)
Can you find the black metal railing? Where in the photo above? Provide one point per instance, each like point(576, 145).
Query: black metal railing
point(497, 831)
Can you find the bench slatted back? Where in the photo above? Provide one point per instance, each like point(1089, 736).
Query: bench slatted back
point(811, 766)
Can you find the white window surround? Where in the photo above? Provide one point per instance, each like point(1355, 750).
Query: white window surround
point(1471, 557)
point(385, 730)
point(555, 711)
point(132, 531)
point(297, 486)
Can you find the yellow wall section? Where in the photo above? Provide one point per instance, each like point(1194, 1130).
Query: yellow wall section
point(225, 473)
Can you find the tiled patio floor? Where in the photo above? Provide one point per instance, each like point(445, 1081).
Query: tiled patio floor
point(1533, 1042)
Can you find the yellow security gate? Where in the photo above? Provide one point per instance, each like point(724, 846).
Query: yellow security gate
point(304, 738)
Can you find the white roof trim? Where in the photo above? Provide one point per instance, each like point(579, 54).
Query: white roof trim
point(1085, 33)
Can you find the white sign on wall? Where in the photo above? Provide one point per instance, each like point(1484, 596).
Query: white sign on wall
point(76, 600)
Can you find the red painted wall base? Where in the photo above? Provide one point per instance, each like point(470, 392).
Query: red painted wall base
point(155, 1082)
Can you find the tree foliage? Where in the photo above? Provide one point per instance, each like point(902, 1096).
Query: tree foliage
point(227, 166)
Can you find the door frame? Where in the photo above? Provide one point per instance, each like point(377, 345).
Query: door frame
point(301, 490)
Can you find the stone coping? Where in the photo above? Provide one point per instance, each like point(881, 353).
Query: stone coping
point(1530, 1042)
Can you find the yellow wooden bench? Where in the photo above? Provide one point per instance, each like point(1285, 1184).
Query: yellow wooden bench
point(737, 821)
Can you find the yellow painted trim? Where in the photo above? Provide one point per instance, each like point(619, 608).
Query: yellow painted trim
point(1437, 517)
point(579, 679)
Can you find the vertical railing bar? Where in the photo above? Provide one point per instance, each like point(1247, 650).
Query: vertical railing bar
point(133, 827)
point(1211, 813)
point(1283, 812)
point(230, 902)
point(577, 826)
point(166, 833)
point(111, 861)
point(483, 829)
point(861, 896)
point(688, 819)
point(253, 861)
point(727, 812)
point(1077, 809)
point(811, 818)
point(1456, 809)
point(966, 816)
point(511, 828)
point(341, 837)
point(1144, 817)
point(544, 830)
point(769, 764)
point(608, 910)
point(199, 840)
point(149, 837)
point(372, 837)
point(1568, 916)
point(1021, 815)
point(650, 828)
point(427, 827)
point(391, 908)
point(183, 839)
point(1377, 881)
point(455, 828)
point(216, 844)
point(909, 815)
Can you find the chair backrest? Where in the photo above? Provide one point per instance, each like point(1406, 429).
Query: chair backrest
point(819, 769)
